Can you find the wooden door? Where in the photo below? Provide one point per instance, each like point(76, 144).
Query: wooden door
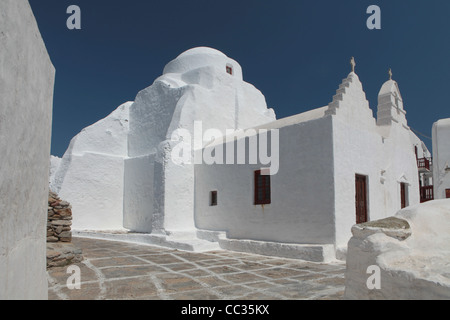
point(447, 193)
point(403, 194)
point(361, 199)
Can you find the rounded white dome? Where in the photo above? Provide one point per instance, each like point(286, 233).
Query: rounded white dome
point(203, 57)
point(201, 50)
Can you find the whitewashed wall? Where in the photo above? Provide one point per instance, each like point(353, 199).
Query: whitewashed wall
point(357, 150)
point(386, 164)
point(138, 205)
point(26, 97)
point(441, 157)
point(302, 207)
point(90, 175)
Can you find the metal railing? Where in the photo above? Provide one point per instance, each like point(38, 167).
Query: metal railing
point(426, 193)
point(424, 163)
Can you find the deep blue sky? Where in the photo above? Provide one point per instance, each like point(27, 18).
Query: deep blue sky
point(296, 52)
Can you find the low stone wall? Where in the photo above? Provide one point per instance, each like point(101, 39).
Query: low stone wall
point(61, 254)
point(60, 250)
point(59, 219)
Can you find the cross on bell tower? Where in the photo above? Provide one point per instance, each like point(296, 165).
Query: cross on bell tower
point(353, 64)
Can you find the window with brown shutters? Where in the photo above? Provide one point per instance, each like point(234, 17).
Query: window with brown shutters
point(361, 198)
point(262, 188)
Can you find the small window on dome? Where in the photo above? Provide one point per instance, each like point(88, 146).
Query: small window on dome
point(230, 70)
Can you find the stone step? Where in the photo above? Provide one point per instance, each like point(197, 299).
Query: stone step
point(308, 252)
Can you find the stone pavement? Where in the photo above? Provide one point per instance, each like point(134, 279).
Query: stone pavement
point(117, 270)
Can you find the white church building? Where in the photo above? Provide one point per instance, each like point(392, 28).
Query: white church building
point(330, 168)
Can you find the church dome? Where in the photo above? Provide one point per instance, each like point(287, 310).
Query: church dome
point(200, 57)
point(202, 51)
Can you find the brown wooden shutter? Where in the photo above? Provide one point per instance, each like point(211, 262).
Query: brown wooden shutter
point(262, 188)
point(361, 199)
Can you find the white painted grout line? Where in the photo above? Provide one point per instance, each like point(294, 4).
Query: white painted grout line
point(100, 276)
point(56, 288)
point(159, 288)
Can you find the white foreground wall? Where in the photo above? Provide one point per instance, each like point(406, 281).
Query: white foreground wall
point(26, 97)
point(441, 158)
point(412, 254)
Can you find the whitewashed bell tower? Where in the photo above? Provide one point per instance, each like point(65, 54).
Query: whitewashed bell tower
point(390, 104)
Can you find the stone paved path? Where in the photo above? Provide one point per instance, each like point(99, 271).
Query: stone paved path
point(116, 270)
